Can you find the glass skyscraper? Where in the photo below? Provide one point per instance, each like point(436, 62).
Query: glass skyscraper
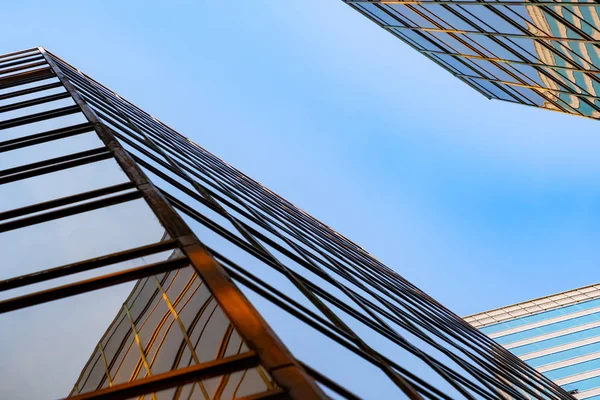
point(559, 335)
point(538, 53)
point(138, 265)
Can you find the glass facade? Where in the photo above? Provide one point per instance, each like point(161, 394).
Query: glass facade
point(137, 265)
point(171, 321)
point(558, 335)
point(540, 53)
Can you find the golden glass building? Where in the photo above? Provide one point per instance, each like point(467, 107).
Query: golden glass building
point(137, 265)
point(538, 53)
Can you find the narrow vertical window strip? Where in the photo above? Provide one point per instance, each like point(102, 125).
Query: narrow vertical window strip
point(180, 324)
point(139, 344)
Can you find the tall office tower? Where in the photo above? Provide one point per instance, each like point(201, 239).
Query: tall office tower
point(538, 53)
point(135, 264)
point(559, 335)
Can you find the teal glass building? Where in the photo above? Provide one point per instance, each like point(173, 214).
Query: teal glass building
point(559, 335)
point(543, 54)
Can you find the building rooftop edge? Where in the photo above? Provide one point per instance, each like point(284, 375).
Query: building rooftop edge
point(534, 306)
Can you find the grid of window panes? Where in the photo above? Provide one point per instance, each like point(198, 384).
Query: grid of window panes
point(562, 342)
point(357, 327)
point(81, 245)
point(539, 53)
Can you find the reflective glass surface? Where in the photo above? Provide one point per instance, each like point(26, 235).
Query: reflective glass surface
point(548, 50)
point(188, 266)
point(549, 328)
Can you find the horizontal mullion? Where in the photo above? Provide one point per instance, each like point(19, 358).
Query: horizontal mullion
point(107, 96)
point(34, 102)
point(141, 120)
point(56, 167)
point(218, 229)
point(196, 196)
point(345, 343)
point(64, 201)
point(131, 125)
point(473, 67)
point(120, 117)
point(269, 260)
point(212, 207)
point(20, 68)
point(508, 61)
point(68, 70)
point(269, 212)
point(69, 211)
point(116, 101)
point(6, 62)
point(180, 155)
point(150, 152)
point(495, 34)
point(29, 119)
point(20, 61)
point(88, 285)
point(281, 300)
point(52, 161)
point(100, 104)
point(108, 110)
point(178, 377)
point(330, 298)
point(192, 169)
point(316, 290)
point(43, 137)
point(191, 193)
point(26, 77)
point(86, 265)
point(274, 201)
point(540, 88)
point(561, 107)
point(120, 105)
point(142, 146)
point(292, 307)
point(35, 89)
point(18, 54)
point(117, 122)
point(84, 87)
point(505, 86)
point(206, 203)
point(274, 211)
point(295, 256)
point(544, 89)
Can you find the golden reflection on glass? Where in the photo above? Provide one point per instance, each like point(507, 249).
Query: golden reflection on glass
point(574, 50)
point(170, 321)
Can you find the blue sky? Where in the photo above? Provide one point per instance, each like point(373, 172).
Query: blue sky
point(480, 203)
